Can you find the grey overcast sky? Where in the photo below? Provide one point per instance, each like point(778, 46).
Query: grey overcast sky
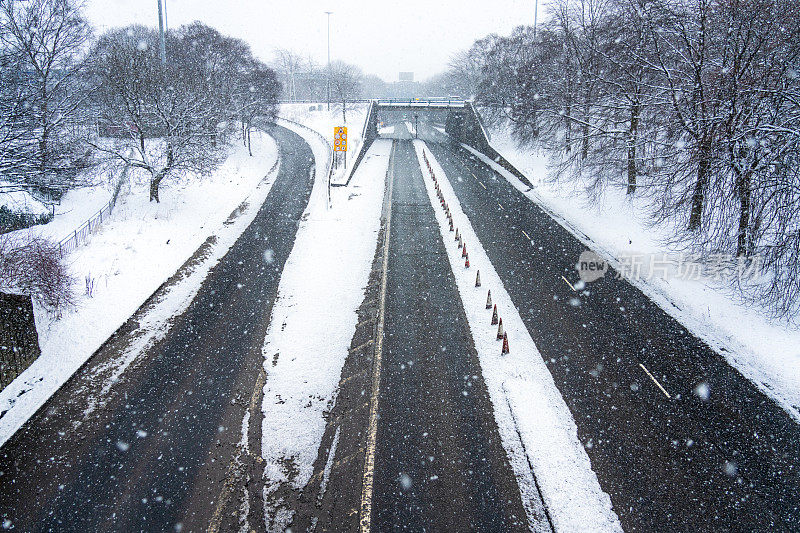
point(381, 37)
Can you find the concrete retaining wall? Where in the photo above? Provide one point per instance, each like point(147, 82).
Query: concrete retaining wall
point(464, 126)
point(369, 134)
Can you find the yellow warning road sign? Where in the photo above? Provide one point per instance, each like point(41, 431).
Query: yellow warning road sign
point(340, 139)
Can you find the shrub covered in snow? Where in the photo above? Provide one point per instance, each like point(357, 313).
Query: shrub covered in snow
point(33, 266)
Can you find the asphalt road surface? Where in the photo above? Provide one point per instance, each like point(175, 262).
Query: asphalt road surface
point(156, 456)
point(439, 463)
point(728, 462)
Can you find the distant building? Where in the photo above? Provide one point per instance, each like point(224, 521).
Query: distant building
point(405, 87)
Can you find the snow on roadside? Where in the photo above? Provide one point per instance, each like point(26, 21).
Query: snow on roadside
point(20, 201)
point(522, 390)
point(314, 319)
point(767, 351)
point(323, 121)
point(130, 256)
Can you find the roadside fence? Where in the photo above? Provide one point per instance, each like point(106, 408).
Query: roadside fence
point(82, 232)
point(326, 142)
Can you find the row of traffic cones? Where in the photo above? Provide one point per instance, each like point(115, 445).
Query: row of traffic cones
point(496, 320)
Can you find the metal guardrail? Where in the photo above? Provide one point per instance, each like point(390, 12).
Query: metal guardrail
point(421, 102)
point(82, 232)
point(405, 102)
point(355, 101)
point(326, 142)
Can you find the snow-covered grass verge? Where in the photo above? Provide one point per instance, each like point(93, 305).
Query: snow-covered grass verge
point(20, 201)
point(765, 350)
point(527, 403)
point(131, 255)
point(313, 321)
point(323, 122)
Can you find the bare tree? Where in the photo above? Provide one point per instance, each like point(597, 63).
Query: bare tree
point(45, 41)
point(17, 146)
point(290, 65)
point(345, 84)
point(161, 108)
point(695, 104)
point(257, 96)
point(167, 118)
point(465, 69)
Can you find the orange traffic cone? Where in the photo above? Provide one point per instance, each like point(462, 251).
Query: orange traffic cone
point(489, 299)
point(460, 241)
point(464, 250)
point(466, 262)
point(500, 329)
point(478, 279)
point(457, 234)
point(494, 315)
point(505, 345)
point(451, 225)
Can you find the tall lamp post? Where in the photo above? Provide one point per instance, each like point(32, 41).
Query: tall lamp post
point(535, 16)
point(161, 44)
point(329, 58)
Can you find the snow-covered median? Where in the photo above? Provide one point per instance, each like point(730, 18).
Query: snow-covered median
point(767, 351)
point(314, 319)
point(322, 120)
point(527, 403)
point(130, 256)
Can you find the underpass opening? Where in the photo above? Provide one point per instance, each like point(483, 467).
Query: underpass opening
point(428, 122)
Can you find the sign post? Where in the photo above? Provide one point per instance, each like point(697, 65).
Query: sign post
point(340, 142)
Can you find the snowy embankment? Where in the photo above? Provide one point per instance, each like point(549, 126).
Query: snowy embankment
point(20, 201)
point(319, 119)
point(314, 319)
point(133, 253)
point(766, 351)
point(527, 403)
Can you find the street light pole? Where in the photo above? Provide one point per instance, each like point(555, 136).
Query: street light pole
point(329, 58)
point(535, 16)
point(161, 41)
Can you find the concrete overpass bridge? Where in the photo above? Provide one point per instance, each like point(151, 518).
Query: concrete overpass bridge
point(443, 119)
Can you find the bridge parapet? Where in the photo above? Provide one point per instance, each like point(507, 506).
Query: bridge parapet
point(422, 102)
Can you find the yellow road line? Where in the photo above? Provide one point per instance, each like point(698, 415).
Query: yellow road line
point(526, 235)
point(655, 381)
point(568, 283)
point(501, 205)
point(484, 186)
point(365, 519)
